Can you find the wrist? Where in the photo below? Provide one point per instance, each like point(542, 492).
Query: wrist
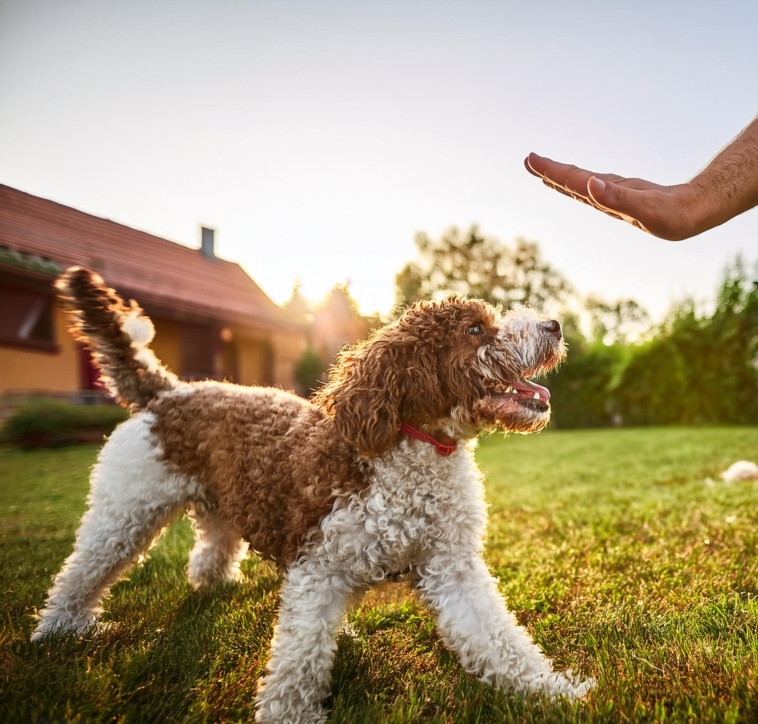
point(701, 204)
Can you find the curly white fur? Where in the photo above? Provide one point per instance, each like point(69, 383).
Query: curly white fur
point(421, 512)
point(133, 497)
point(426, 513)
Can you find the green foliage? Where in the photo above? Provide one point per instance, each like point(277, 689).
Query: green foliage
point(478, 266)
point(309, 372)
point(607, 545)
point(693, 369)
point(699, 369)
point(52, 424)
point(580, 387)
point(615, 322)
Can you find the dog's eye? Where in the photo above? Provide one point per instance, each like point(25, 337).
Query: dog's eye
point(475, 329)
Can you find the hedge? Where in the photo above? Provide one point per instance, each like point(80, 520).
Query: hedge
point(52, 424)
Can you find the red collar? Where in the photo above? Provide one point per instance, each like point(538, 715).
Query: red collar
point(411, 431)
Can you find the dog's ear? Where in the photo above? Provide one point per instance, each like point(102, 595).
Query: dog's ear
point(365, 393)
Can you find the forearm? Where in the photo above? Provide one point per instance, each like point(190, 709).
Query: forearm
point(728, 185)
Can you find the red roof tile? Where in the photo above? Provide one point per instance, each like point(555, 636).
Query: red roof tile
point(155, 271)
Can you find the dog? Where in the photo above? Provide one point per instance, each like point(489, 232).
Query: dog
point(373, 478)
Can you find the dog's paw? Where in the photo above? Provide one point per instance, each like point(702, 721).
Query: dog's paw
point(567, 685)
point(53, 624)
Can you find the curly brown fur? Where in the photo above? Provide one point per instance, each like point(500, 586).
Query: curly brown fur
point(275, 465)
point(97, 317)
point(416, 369)
point(270, 460)
point(286, 478)
point(330, 489)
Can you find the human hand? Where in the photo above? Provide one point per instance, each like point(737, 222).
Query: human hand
point(669, 212)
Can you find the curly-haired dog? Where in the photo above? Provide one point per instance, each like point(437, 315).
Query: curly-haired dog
point(375, 477)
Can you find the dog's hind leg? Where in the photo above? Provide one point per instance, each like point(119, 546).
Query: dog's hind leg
point(218, 550)
point(133, 497)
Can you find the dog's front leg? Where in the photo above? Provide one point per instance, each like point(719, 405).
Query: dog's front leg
point(314, 600)
point(473, 621)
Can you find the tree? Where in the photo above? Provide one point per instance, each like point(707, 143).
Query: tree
point(616, 322)
point(478, 266)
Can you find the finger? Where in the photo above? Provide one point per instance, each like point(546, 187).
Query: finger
point(566, 192)
point(630, 204)
point(609, 195)
point(568, 176)
point(585, 200)
point(529, 168)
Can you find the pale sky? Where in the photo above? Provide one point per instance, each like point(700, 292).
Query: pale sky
point(318, 137)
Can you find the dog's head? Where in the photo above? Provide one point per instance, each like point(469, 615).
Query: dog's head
point(458, 366)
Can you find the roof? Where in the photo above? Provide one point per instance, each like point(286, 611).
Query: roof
point(157, 272)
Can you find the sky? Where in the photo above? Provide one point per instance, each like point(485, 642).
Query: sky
point(318, 137)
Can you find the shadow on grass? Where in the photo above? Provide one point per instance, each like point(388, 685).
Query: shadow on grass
point(165, 649)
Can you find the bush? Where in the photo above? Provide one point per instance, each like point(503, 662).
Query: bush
point(309, 372)
point(699, 370)
point(52, 424)
point(580, 388)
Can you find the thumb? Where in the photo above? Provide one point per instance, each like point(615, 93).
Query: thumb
point(614, 197)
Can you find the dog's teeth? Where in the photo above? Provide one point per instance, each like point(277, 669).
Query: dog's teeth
point(536, 395)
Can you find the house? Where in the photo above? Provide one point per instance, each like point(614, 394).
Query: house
point(211, 319)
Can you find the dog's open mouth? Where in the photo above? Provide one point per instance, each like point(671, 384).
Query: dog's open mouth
point(525, 393)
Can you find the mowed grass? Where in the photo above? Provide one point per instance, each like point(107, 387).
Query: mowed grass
point(610, 546)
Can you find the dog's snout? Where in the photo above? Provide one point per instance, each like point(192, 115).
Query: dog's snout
point(553, 327)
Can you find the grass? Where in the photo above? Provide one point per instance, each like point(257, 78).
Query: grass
point(610, 547)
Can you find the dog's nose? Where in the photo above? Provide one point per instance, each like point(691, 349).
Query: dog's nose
point(553, 327)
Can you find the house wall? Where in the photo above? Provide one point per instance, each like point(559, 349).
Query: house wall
point(253, 361)
point(288, 349)
point(25, 370)
point(167, 343)
point(258, 357)
point(268, 359)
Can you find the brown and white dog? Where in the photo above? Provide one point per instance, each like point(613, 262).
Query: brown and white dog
point(374, 477)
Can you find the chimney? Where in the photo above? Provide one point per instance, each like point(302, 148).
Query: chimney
point(206, 244)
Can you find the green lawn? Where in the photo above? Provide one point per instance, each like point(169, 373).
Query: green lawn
point(611, 547)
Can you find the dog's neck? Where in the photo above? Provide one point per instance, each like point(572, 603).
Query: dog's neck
point(443, 443)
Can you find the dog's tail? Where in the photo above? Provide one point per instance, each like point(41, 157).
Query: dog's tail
point(117, 335)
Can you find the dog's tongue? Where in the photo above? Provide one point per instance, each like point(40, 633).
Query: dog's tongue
point(531, 390)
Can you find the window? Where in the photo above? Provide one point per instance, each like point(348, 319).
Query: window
point(26, 318)
point(199, 348)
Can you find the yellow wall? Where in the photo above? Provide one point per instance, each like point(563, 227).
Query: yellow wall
point(252, 362)
point(167, 343)
point(262, 358)
point(26, 370)
point(268, 359)
point(288, 349)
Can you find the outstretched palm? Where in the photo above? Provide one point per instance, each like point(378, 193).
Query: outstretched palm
point(663, 211)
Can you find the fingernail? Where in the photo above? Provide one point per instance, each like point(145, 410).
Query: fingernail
point(599, 184)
